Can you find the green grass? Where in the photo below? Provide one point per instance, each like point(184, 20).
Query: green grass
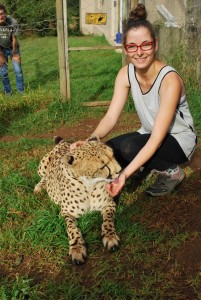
point(91, 77)
point(32, 228)
point(33, 242)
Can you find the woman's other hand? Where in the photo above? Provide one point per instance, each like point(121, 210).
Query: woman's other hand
point(116, 186)
point(77, 144)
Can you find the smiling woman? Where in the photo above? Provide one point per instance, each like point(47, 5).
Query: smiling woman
point(166, 137)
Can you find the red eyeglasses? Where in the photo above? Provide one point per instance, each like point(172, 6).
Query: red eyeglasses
point(130, 48)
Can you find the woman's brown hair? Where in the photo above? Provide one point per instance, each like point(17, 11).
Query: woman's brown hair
point(138, 18)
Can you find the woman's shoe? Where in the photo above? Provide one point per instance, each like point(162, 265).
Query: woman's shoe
point(166, 182)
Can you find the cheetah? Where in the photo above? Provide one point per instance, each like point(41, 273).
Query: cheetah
point(75, 180)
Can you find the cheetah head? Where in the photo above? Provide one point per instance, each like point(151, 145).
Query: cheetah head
point(92, 160)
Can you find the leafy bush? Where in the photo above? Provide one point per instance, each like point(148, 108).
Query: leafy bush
point(39, 17)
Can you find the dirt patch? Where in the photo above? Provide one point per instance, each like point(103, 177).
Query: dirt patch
point(82, 130)
point(180, 213)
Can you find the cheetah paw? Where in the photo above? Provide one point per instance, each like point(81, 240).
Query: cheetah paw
point(78, 254)
point(111, 242)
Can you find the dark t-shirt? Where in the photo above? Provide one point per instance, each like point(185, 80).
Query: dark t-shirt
point(6, 31)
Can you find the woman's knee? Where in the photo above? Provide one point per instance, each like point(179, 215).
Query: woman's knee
point(131, 146)
point(129, 150)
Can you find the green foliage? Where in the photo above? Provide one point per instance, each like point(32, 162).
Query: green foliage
point(21, 289)
point(186, 67)
point(35, 16)
point(73, 17)
point(39, 17)
point(194, 97)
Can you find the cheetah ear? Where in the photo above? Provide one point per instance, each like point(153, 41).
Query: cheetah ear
point(57, 139)
point(93, 138)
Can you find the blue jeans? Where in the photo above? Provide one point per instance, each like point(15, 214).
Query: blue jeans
point(18, 73)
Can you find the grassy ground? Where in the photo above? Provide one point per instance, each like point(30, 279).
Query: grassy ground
point(160, 237)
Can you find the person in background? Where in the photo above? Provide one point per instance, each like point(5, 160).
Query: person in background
point(9, 46)
point(166, 138)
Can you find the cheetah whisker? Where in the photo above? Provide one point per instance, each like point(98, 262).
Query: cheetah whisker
point(93, 181)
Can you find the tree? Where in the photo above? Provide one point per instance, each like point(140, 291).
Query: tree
point(39, 17)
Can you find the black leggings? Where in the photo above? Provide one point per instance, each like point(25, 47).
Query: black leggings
point(127, 146)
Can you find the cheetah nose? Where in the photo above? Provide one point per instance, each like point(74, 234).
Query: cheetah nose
point(114, 176)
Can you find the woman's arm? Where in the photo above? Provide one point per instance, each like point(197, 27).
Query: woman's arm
point(170, 93)
point(120, 95)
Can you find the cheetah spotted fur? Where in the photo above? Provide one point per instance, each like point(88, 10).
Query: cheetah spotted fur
point(75, 179)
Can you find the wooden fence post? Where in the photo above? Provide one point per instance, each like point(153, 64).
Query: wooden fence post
point(61, 10)
point(66, 47)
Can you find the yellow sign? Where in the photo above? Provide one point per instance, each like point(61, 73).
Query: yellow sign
point(96, 18)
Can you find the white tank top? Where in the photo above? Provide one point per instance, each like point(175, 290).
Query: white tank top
point(147, 106)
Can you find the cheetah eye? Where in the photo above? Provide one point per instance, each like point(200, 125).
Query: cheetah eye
point(71, 160)
point(104, 166)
